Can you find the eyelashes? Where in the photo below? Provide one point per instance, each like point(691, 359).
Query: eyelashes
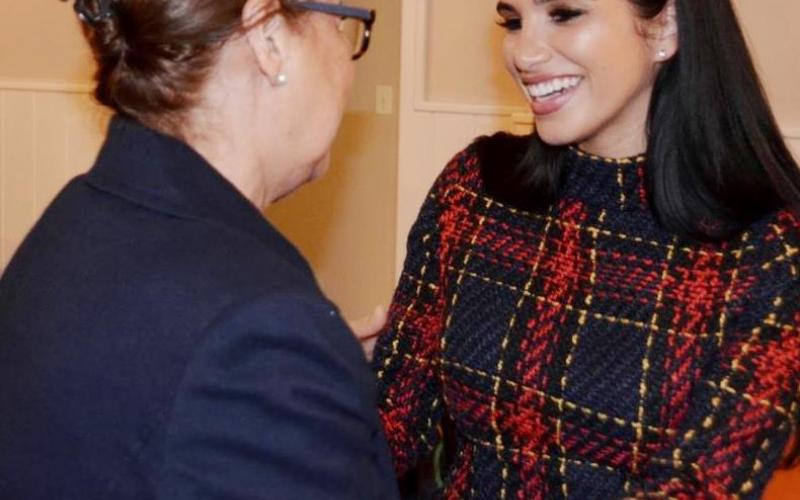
point(563, 15)
point(510, 24)
point(558, 15)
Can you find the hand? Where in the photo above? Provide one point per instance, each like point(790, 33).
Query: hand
point(366, 329)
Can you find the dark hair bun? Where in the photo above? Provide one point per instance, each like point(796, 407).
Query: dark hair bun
point(153, 55)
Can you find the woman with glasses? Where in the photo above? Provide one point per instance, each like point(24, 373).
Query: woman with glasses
point(158, 337)
point(609, 307)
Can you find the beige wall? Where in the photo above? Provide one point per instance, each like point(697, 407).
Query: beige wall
point(345, 222)
point(50, 130)
point(771, 29)
point(40, 40)
point(478, 75)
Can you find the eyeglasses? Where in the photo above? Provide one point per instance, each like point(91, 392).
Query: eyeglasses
point(355, 24)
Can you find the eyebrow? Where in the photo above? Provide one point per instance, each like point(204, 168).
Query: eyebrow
point(504, 7)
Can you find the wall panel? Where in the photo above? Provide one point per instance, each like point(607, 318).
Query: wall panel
point(48, 134)
point(477, 75)
point(17, 164)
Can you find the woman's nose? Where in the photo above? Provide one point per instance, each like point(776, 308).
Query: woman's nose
point(530, 51)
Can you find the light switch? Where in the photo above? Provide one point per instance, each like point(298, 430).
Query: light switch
point(384, 99)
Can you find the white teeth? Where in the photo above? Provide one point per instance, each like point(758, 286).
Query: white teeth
point(544, 89)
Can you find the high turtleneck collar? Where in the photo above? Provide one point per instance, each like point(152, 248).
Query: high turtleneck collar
point(613, 183)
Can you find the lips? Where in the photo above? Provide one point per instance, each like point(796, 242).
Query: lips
point(549, 95)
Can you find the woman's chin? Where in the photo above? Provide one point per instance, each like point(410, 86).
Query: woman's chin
point(320, 168)
point(556, 136)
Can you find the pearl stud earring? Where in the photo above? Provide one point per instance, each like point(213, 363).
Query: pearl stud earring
point(662, 54)
point(281, 79)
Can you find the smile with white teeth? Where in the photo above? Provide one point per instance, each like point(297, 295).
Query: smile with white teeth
point(551, 88)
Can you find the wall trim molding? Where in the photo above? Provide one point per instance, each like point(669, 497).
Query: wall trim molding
point(521, 118)
point(422, 104)
point(46, 86)
point(420, 90)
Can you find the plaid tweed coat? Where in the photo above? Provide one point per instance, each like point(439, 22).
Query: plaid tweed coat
point(585, 352)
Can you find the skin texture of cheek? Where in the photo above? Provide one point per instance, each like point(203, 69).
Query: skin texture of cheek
point(509, 48)
point(320, 76)
point(331, 74)
point(619, 86)
point(321, 167)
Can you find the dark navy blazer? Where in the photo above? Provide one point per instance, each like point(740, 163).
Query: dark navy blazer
point(159, 339)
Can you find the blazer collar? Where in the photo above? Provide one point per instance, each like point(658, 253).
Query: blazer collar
point(165, 174)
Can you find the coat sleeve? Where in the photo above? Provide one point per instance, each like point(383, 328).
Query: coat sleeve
point(277, 403)
point(406, 354)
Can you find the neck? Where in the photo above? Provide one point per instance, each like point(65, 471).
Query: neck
point(224, 129)
point(232, 161)
point(624, 147)
point(626, 134)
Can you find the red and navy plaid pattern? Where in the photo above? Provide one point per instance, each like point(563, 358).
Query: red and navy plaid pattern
point(587, 353)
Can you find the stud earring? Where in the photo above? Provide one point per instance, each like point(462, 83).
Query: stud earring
point(281, 79)
point(662, 54)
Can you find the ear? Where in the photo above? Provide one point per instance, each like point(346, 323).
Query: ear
point(665, 33)
point(268, 39)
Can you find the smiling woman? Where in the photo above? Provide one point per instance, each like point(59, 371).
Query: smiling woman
point(610, 306)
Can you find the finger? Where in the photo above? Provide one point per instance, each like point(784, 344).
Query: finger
point(378, 318)
point(368, 346)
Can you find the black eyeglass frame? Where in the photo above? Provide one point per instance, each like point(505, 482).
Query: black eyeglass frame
point(367, 16)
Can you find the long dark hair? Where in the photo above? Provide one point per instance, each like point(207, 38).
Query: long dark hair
point(716, 160)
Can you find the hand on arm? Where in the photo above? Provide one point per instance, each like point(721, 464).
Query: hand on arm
point(367, 328)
